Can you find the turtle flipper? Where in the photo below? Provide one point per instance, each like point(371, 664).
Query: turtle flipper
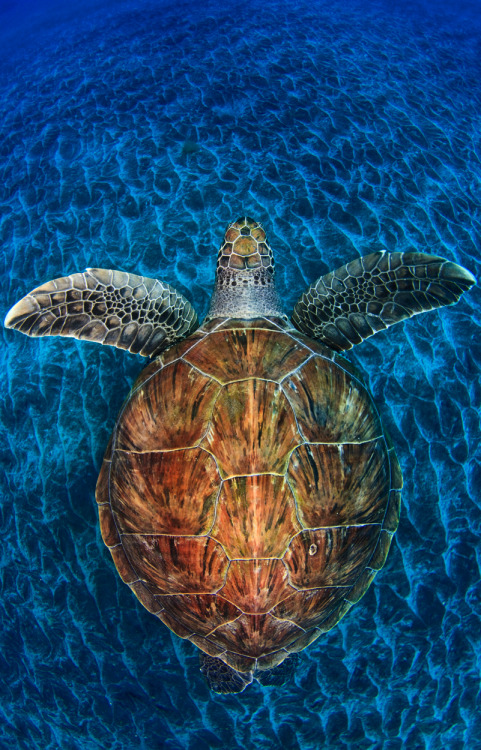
point(371, 293)
point(278, 675)
point(121, 309)
point(220, 677)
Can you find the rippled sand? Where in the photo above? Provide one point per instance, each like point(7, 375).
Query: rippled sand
point(130, 137)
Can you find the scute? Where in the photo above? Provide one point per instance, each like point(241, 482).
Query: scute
point(243, 353)
point(340, 484)
point(256, 517)
point(177, 564)
point(152, 493)
point(248, 495)
point(331, 406)
point(253, 429)
point(170, 410)
point(256, 586)
point(256, 635)
point(330, 557)
point(308, 609)
point(200, 613)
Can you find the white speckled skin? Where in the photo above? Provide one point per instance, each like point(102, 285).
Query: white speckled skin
point(239, 296)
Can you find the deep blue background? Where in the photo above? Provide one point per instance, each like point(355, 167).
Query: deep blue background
point(131, 133)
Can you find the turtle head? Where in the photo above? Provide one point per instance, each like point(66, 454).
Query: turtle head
point(245, 249)
point(244, 283)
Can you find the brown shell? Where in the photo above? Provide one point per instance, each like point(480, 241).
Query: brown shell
point(249, 495)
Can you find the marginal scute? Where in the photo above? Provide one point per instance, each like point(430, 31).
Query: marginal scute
point(379, 557)
point(122, 563)
point(396, 473)
point(177, 626)
point(391, 519)
point(334, 618)
point(340, 484)
point(315, 347)
point(146, 597)
point(108, 528)
point(239, 661)
point(179, 350)
point(147, 373)
point(232, 324)
point(361, 586)
point(271, 661)
point(255, 517)
point(206, 645)
point(330, 406)
point(347, 365)
point(102, 489)
point(303, 641)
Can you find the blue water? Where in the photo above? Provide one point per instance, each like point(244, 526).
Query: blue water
point(131, 133)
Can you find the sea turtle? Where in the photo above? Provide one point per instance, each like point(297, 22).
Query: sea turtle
point(249, 493)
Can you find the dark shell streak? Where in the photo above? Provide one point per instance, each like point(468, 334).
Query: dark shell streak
point(249, 495)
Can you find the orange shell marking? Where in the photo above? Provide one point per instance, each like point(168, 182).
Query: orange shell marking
point(248, 494)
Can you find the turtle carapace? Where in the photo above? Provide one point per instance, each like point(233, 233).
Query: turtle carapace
point(249, 493)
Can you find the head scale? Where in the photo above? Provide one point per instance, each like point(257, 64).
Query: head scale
point(245, 254)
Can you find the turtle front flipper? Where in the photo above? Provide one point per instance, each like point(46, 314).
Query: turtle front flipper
point(369, 294)
point(121, 309)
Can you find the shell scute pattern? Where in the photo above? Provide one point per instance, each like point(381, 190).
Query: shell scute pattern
point(248, 495)
point(237, 354)
point(335, 483)
point(170, 410)
point(257, 585)
point(309, 608)
point(252, 430)
point(171, 564)
point(147, 491)
point(256, 517)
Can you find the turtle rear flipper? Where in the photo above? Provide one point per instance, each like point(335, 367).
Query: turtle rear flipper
point(278, 675)
point(220, 677)
point(371, 293)
point(121, 309)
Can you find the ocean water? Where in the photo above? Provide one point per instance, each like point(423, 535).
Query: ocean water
point(131, 133)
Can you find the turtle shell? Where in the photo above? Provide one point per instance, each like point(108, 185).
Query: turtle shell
point(248, 495)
